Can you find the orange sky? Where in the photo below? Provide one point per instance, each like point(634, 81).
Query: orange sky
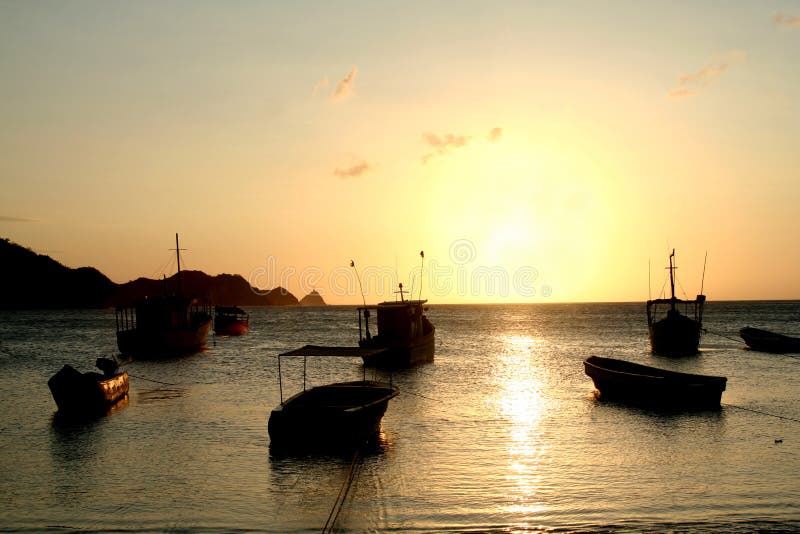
point(537, 152)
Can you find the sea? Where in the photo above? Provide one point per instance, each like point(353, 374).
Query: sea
point(501, 433)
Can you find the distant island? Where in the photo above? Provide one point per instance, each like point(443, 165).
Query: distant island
point(30, 281)
point(312, 299)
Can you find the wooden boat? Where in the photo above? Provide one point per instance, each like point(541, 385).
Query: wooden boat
point(405, 334)
point(160, 326)
point(331, 416)
point(642, 384)
point(90, 393)
point(230, 321)
point(766, 341)
point(671, 332)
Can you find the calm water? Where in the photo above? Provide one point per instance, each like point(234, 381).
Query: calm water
point(501, 433)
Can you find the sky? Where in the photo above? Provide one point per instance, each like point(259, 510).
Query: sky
point(535, 151)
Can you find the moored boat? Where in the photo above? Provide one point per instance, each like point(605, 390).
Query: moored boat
point(330, 416)
point(653, 386)
point(766, 341)
point(230, 321)
point(674, 325)
point(405, 334)
point(163, 326)
point(89, 393)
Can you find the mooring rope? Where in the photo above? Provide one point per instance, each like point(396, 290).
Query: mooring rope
point(406, 390)
point(343, 491)
point(723, 335)
point(151, 380)
point(761, 413)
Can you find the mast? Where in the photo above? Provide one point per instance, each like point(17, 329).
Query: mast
point(178, 254)
point(672, 277)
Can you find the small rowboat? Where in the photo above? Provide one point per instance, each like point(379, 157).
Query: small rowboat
point(766, 341)
point(642, 384)
point(90, 393)
point(337, 416)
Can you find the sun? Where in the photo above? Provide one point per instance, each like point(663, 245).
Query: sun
point(510, 240)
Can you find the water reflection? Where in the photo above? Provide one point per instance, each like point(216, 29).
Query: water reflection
point(522, 405)
point(336, 449)
point(154, 395)
point(68, 421)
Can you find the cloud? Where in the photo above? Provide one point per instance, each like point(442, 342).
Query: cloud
point(495, 134)
point(786, 21)
point(4, 218)
point(691, 83)
point(681, 93)
point(346, 85)
point(354, 171)
point(443, 144)
point(320, 86)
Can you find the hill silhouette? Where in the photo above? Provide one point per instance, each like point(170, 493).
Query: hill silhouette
point(29, 281)
point(312, 299)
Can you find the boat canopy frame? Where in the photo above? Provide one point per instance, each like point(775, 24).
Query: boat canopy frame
point(317, 351)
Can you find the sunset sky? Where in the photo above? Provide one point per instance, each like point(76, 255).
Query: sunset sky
point(536, 151)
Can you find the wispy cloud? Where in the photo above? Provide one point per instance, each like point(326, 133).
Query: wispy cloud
point(353, 171)
point(691, 83)
point(320, 86)
point(442, 144)
point(346, 85)
point(495, 134)
point(786, 21)
point(4, 218)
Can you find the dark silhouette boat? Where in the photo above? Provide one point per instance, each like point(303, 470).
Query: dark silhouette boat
point(90, 393)
point(405, 334)
point(328, 417)
point(231, 321)
point(652, 386)
point(163, 326)
point(674, 325)
point(766, 341)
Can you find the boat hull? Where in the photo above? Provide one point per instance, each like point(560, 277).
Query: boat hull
point(87, 393)
point(231, 321)
point(766, 341)
point(160, 343)
point(675, 336)
point(642, 384)
point(231, 328)
point(417, 351)
point(331, 416)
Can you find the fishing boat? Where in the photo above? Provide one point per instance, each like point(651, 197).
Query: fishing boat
point(89, 393)
point(230, 321)
point(405, 334)
point(674, 325)
point(766, 341)
point(330, 416)
point(166, 325)
point(652, 386)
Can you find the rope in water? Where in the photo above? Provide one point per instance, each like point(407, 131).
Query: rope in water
point(761, 413)
point(346, 485)
point(151, 380)
point(723, 335)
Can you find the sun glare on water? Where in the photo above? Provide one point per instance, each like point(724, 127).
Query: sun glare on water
point(520, 402)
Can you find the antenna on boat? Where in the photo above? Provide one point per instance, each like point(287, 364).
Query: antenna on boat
point(400, 285)
point(353, 265)
point(421, 267)
point(649, 288)
point(703, 279)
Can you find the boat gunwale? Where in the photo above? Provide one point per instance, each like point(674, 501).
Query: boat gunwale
point(687, 379)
